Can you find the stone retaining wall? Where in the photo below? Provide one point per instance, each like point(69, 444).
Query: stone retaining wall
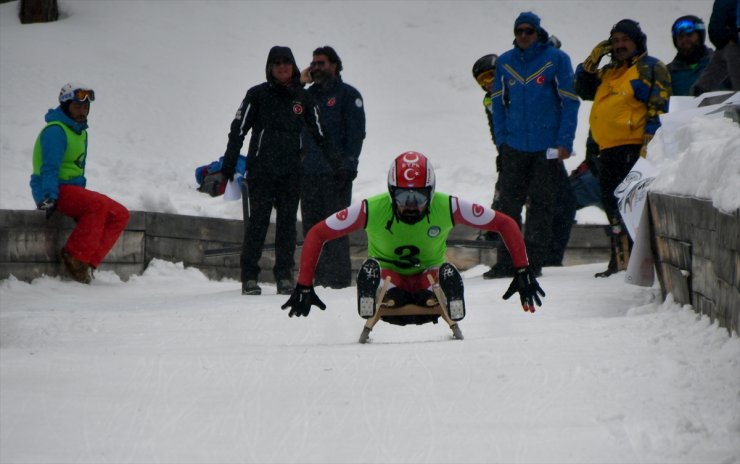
point(697, 253)
point(30, 245)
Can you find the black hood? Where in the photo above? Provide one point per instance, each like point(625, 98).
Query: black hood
point(277, 52)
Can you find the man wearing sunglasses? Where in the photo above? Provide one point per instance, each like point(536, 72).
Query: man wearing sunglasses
point(725, 63)
point(535, 112)
point(407, 228)
point(58, 184)
point(276, 111)
point(323, 190)
point(692, 57)
point(629, 95)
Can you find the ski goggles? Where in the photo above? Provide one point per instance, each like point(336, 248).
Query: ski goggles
point(485, 79)
point(409, 198)
point(78, 95)
point(687, 26)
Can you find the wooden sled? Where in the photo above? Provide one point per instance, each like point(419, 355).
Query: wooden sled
point(411, 310)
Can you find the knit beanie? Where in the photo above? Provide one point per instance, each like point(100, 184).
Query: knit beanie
point(528, 17)
point(632, 30)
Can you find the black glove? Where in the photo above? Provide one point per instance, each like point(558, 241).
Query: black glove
point(526, 284)
point(344, 176)
point(49, 205)
point(227, 172)
point(301, 300)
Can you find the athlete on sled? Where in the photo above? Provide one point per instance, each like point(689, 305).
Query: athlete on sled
point(406, 233)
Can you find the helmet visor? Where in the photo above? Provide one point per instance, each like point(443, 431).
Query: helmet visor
point(410, 198)
point(687, 26)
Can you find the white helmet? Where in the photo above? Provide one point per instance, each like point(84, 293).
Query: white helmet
point(76, 92)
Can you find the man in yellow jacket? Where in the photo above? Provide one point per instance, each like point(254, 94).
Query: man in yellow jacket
point(629, 95)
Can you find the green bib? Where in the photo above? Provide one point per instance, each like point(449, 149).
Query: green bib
point(73, 160)
point(405, 248)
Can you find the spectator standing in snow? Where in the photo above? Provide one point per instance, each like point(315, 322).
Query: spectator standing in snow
point(58, 184)
point(632, 83)
point(276, 112)
point(535, 114)
point(692, 57)
point(323, 190)
point(483, 70)
point(725, 63)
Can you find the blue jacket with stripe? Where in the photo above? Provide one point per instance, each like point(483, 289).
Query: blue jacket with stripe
point(534, 105)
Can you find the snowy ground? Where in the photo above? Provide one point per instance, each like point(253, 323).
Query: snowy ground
point(172, 367)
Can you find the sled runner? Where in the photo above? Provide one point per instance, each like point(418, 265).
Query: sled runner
point(381, 311)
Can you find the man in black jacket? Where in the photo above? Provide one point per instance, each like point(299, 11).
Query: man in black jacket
point(276, 111)
point(322, 191)
point(692, 55)
point(725, 63)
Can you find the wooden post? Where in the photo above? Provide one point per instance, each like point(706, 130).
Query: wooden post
point(38, 11)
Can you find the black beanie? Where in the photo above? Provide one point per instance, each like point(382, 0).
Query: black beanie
point(632, 30)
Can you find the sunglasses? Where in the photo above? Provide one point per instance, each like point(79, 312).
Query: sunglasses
point(485, 78)
point(409, 198)
point(524, 31)
point(687, 27)
point(318, 64)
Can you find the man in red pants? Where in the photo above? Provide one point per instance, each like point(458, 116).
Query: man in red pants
point(58, 184)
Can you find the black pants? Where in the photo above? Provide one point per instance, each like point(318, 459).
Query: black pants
point(523, 174)
point(563, 218)
point(614, 165)
point(283, 193)
point(320, 198)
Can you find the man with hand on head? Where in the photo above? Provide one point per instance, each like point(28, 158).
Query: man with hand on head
point(323, 190)
point(629, 95)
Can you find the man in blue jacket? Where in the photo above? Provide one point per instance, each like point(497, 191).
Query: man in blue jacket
point(323, 192)
point(535, 114)
point(58, 183)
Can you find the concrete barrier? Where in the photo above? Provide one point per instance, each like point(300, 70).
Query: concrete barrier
point(30, 245)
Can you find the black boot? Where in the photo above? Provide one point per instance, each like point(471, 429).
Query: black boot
point(368, 280)
point(451, 283)
point(612, 268)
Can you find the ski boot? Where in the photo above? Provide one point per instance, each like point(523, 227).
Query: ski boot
point(450, 281)
point(368, 280)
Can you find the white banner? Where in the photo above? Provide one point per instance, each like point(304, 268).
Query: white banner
point(632, 198)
